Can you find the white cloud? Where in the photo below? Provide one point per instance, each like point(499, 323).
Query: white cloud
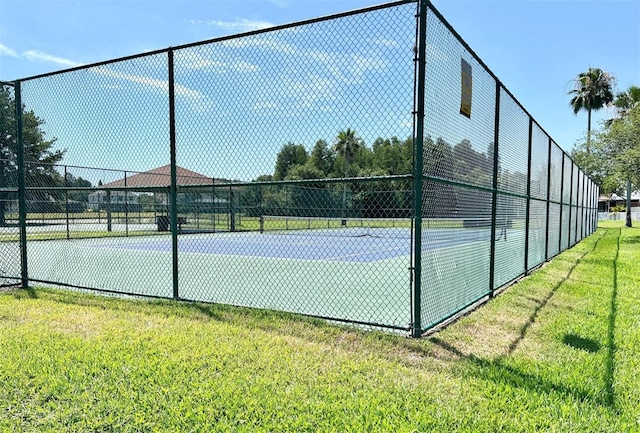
point(279, 3)
point(196, 61)
point(39, 55)
point(244, 67)
point(196, 99)
point(265, 43)
point(265, 106)
point(348, 69)
point(311, 89)
point(238, 25)
point(6, 51)
point(390, 43)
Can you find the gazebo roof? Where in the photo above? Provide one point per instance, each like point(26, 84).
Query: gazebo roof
point(161, 177)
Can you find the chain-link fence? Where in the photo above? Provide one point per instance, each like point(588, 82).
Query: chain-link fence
point(365, 168)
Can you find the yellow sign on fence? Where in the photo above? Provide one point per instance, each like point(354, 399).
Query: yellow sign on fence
point(465, 100)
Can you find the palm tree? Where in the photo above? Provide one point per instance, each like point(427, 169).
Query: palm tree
point(347, 144)
point(627, 100)
point(592, 91)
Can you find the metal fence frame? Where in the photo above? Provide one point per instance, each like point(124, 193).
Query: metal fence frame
point(580, 202)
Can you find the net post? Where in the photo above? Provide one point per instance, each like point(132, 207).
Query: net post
point(418, 165)
point(173, 191)
point(22, 194)
point(494, 193)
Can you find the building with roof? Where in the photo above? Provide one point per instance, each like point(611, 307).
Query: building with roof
point(147, 182)
point(615, 201)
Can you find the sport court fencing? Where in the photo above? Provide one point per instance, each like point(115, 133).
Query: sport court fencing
point(366, 168)
point(617, 216)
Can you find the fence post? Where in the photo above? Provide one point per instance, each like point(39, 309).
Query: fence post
point(66, 200)
point(569, 242)
point(126, 207)
point(561, 204)
point(173, 191)
point(546, 236)
point(575, 241)
point(108, 211)
point(527, 218)
point(628, 219)
point(418, 166)
point(494, 194)
point(22, 194)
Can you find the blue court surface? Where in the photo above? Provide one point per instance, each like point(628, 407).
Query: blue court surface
point(361, 248)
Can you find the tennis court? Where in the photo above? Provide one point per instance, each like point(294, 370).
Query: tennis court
point(358, 272)
point(222, 191)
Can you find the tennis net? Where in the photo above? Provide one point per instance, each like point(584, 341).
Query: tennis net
point(338, 227)
point(377, 227)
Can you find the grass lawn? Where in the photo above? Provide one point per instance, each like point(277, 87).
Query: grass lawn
point(558, 352)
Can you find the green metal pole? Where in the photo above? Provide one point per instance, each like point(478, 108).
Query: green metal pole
point(628, 219)
point(418, 169)
point(66, 201)
point(173, 192)
point(577, 192)
point(108, 211)
point(494, 194)
point(22, 200)
point(527, 224)
point(126, 207)
point(546, 239)
point(561, 204)
point(570, 243)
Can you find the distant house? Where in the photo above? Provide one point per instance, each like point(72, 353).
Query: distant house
point(157, 178)
point(607, 203)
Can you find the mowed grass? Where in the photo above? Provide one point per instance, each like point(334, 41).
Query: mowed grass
point(558, 352)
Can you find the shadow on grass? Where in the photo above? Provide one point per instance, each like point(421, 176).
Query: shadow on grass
point(20, 293)
point(581, 343)
point(541, 304)
point(499, 371)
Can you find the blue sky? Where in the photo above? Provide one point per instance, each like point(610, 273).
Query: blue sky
point(534, 47)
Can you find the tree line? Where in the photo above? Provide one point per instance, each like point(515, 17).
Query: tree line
point(349, 157)
point(342, 159)
point(40, 161)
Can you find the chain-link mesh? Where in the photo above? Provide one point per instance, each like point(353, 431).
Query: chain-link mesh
point(10, 270)
point(458, 160)
point(538, 192)
point(554, 245)
point(512, 169)
point(508, 210)
point(277, 170)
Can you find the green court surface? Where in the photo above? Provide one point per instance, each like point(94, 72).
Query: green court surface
point(360, 279)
